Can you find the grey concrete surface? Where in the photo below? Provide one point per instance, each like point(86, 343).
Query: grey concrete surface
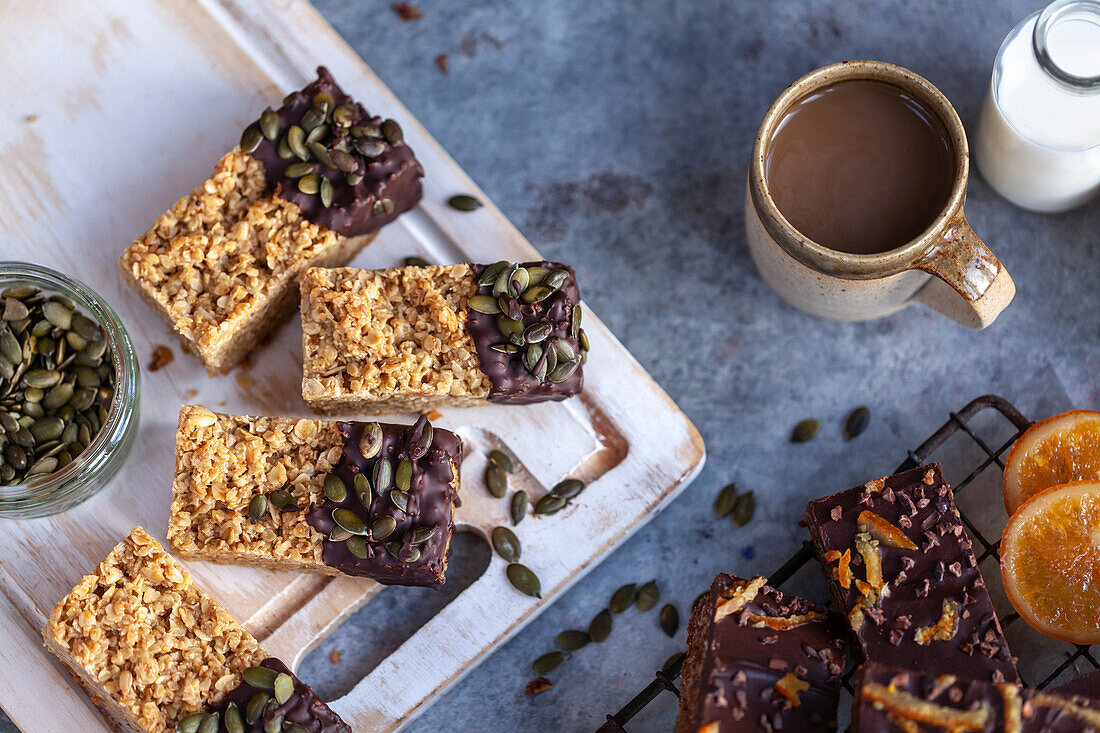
point(616, 135)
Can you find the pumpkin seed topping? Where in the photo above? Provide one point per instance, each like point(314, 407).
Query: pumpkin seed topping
point(260, 677)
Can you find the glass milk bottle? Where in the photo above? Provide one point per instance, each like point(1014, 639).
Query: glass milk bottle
point(1038, 142)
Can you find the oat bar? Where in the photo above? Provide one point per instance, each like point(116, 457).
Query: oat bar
point(760, 660)
point(901, 567)
point(311, 184)
point(416, 338)
point(358, 498)
point(156, 652)
point(1087, 685)
point(889, 699)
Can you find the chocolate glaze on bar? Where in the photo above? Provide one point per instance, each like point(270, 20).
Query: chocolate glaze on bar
point(889, 699)
point(512, 382)
point(1087, 685)
point(733, 665)
point(303, 707)
point(942, 570)
point(431, 501)
point(393, 175)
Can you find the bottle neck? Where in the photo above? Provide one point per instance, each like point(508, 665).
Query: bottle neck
point(1066, 42)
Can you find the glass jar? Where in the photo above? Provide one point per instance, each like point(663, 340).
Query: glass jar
point(100, 460)
point(1038, 142)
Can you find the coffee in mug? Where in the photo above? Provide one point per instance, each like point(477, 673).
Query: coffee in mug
point(860, 166)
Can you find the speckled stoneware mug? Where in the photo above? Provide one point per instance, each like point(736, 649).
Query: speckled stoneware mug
point(946, 267)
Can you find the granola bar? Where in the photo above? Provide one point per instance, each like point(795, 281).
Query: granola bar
point(156, 652)
point(759, 660)
point(358, 498)
point(417, 338)
point(901, 567)
point(310, 185)
point(889, 699)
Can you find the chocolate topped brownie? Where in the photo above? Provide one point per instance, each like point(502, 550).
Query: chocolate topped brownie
point(345, 169)
point(760, 660)
point(358, 498)
point(900, 566)
point(1087, 685)
point(890, 699)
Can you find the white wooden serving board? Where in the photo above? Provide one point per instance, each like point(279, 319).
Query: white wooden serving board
point(112, 111)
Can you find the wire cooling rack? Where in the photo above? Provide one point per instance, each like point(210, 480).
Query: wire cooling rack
point(988, 458)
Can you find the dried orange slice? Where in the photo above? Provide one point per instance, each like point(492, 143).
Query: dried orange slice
point(1054, 451)
point(1050, 561)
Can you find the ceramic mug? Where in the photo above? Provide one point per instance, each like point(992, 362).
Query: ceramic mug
point(946, 267)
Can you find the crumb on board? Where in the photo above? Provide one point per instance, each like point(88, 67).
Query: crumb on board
point(335, 656)
point(31, 119)
point(244, 380)
point(433, 415)
point(442, 62)
point(537, 686)
point(407, 11)
point(162, 357)
point(246, 363)
point(191, 394)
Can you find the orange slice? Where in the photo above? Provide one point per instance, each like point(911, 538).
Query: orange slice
point(1054, 451)
point(1050, 561)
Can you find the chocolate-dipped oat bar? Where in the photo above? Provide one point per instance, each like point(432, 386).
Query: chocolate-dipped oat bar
point(158, 654)
point(759, 660)
point(415, 338)
point(310, 184)
point(1087, 685)
point(358, 498)
point(901, 567)
point(891, 699)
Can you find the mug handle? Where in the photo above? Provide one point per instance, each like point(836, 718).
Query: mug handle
point(970, 286)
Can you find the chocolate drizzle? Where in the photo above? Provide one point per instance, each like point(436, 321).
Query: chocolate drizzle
point(432, 495)
point(511, 381)
point(393, 174)
point(303, 707)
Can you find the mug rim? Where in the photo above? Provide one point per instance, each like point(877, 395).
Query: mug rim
point(846, 264)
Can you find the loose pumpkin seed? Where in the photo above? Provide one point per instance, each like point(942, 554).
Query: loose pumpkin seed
point(416, 262)
point(260, 677)
point(600, 628)
point(349, 520)
point(549, 504)
point(568, 488)
point(623, 598)
point(857, 422)
point(723, 504)
point(251, 138)
point(669, 619)
point(519, 507)
point(382, 527)
point(549, 662)
point(335, 488)
point(523, 579)
point(464, 202)
point(805, 431)
point(284, 687)
point(370, 442)
point(648, 596)
point(506, 544)
point(571, 640)
point(672, 664)
point(744, 508)
point(496, 480)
